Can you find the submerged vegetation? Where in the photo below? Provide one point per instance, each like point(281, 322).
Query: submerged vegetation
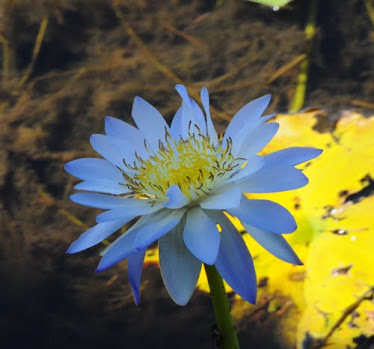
point(65, 64)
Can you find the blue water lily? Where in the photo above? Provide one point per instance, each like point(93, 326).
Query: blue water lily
point(181, 180)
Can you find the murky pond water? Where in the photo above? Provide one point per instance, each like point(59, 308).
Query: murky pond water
point(67, 64)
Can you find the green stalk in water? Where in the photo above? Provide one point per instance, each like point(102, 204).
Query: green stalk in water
point(226, 328)
point(302, 79)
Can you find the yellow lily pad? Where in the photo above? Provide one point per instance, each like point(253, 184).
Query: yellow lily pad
point(329, 300)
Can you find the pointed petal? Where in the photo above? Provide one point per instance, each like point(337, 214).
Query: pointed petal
point(95, 235)
point(135, 267)
point(271, 179)
point(176, 198)
point(201, 236)
point(123, 246)
point(254, 163)
point(266, 117)
point(234, 261)
point(98, 200)
point(266, 215)
point(255, 141)
point(211, 131)
point(276, 244)
point(247, 115)
point(176, 125)
point(150, 122)
point(120, 129)
point(227, 197)
point(199, 116)
point(189, 116)
point(114, 149)
point(103, 186)
point(180, 270)
point(291, 156)
point(130, 209)
point(160, 225)
point(93, 169)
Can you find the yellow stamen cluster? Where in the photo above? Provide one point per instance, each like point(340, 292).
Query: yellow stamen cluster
point(195, 165)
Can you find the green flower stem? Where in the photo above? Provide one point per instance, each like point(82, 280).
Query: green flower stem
point(226, 328)
point(302, 79)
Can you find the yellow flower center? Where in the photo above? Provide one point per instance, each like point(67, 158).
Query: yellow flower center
point(195, 165)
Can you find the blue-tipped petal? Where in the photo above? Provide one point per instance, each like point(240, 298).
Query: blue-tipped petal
point(200, 116)
point(120, 129)
point(211, 131)
point(160, 225)
point(130, 209)
point(98, 200)
point(114, 149)
point(135, 267)
point(266, 215)
point(276, 244)
point(176, 125)
point(254, 163)
point(255, 141)
point(246, 116)
point(189, 116)
point(92, 169)
point(123, 246)
point(234, 261)
point(103, 186)
point(95, 235)
point(291, 156)
point(180, 270)
point(227, 197)
point(266, 118)
point(201, 236)
point(176, 198)
point(271, 179)
point(150, 122)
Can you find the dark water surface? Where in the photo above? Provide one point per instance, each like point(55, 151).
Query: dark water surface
point(90, 65)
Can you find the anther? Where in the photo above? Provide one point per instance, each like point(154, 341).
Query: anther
point(145, 145)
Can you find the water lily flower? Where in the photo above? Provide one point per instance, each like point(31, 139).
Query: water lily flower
point(181, 180)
